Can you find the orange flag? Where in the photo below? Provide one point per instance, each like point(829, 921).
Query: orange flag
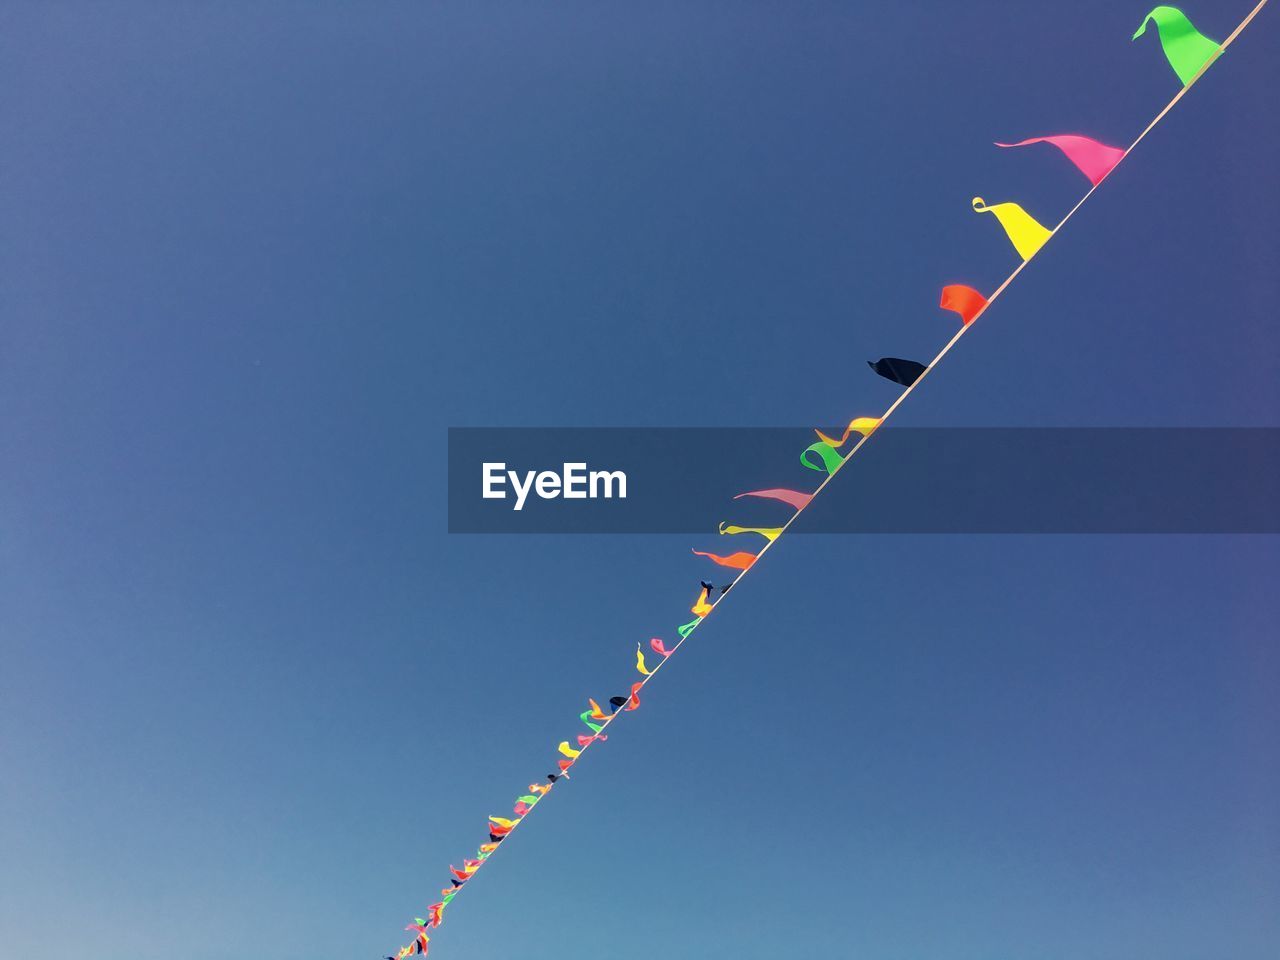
point(738, 561)
point(965, 301)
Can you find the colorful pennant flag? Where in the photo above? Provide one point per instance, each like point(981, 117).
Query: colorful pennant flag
point(630, 702)
point(829, 458)
point(863, 425)
point(1185, 47)
point(736, 561)
point(659, 648)
point(640, 661)
point(1026, 235)
point(965, 301)
point(793, 497)
point(700, 608)
point(769, 533)
point(1095, 160)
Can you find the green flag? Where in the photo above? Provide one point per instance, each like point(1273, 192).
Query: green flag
point(1186, 47)
point(831, 460)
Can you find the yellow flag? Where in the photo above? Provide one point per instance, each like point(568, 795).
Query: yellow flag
point(862, 425)
point(567, 750)
point(640, 661)
point(503, 821)
point(701, 608)
point(1024, 232)
point(769, 533)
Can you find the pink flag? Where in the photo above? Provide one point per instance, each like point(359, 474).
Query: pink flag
point(794, 497)
point(659, 647)
point(1094, 159)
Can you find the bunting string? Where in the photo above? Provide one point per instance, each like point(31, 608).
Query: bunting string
point(1190, 54)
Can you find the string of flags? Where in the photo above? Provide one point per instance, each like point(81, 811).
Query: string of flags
point(1189, 53)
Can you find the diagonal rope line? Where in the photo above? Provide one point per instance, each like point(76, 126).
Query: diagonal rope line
point(897, 403)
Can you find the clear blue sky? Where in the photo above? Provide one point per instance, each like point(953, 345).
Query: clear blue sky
point(258, 256)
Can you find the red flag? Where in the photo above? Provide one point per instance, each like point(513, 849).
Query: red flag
point(965, 301)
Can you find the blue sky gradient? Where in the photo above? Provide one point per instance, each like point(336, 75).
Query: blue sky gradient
point(259, 257)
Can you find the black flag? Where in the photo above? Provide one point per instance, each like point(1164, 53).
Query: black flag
point(905, 372)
